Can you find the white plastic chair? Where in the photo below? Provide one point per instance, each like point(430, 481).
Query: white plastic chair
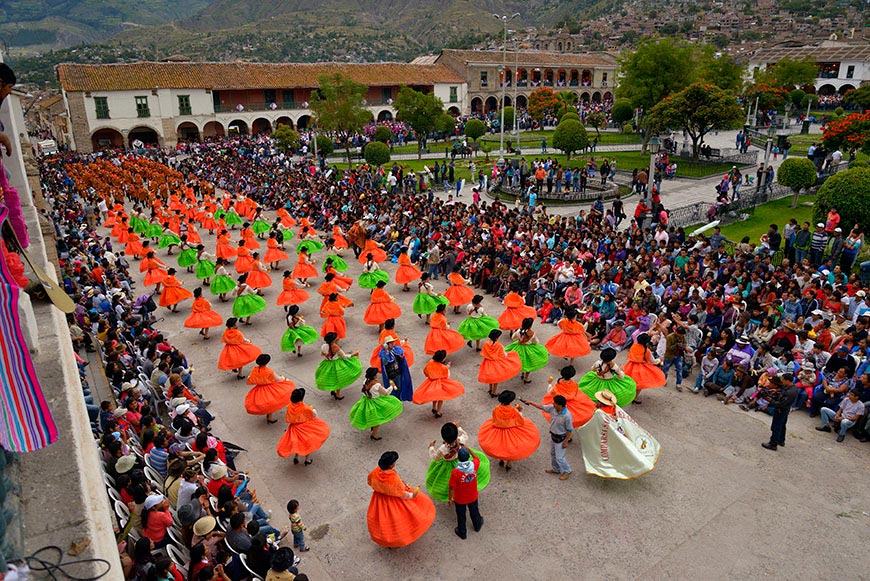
point(113, 494)
point(177, 557)
point(244, 561)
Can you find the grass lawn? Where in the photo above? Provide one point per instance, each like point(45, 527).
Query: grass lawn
point(531, 140)
point(777, 212)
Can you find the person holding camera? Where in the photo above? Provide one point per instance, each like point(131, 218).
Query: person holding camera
point(561, 431)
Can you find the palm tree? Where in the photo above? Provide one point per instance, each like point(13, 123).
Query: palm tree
point(567, 99)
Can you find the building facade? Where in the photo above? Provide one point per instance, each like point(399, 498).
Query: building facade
point(842, 67)
point(591, 77)
point(114, 106)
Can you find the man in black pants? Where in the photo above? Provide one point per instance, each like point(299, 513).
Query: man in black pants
point(781, 405)
point(462, 492)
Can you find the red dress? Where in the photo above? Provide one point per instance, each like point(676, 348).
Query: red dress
point(393, 519)
point(515, 311)
point(497, 365)
point(580, 406)
point(458, 293)
point(406, 272)
point(224, 249)
point(305, 434)
point(328, 288)
point(440, 337)
point(173, 293)
point(381, 308)
point(291, 295)
point(202, 316)
point(236, 352)
point(438, 386)
point(645, 374)
point(507, 435)
point(268, 394)
point(571, 342)
point(340, 242)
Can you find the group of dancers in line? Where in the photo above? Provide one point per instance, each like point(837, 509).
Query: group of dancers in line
point(613, 445)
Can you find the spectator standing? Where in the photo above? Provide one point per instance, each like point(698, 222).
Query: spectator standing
point(462, 492)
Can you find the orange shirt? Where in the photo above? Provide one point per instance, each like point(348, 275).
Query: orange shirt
point(387, 482)
point(233, 337)
point(436, 370)
point(298, 413)
point(438, 321)
point(492, 350)
point(506, 416)
point(261, 376)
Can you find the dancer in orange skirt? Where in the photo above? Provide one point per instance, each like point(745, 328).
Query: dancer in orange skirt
point(571, 342)
point(270, 393)
point(304, 268)
point(291, 295)
point(286, 219)
point(202, 316)
point(154, 270)
point(173, 293)
point(333, 312)
point(390, 331)
point(237, 351)
point(342, 282)
point(406, 272)
point(580, 406)
point(381, 308)
point(515, 311)
point(507, 435)
point(133, 246)
point(330, 288)
point(248, 236)
point(306, 432)
point(274, 254)
point(258, 278)
point(244, 263)
point(339, 242)
point(441, 336)
point(643, 367)
point(373, 248)
point(398, 515)
point(438, 387)
point(458, 293)
point(498, 365)
point(224, 248)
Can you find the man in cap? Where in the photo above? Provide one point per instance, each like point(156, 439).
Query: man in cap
point(780, 403)
point(462, 491)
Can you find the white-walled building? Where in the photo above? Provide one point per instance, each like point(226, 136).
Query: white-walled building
point(160, 103)
point(842, 67)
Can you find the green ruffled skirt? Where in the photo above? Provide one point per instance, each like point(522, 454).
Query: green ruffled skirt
point(139, 226)
point(426, 304)
point(534, 357)
point(624, 389)
point(304, 333)
point(369, 412)
point(167, 240)
point(153, 231)
point(205, 269)
point(477, 328)
point(438, 475)
point(247, 305)
point(337, 373)
point(338, 263)
point(219, 213)
point(310, 246)
point(370, 279)
point(232, 218)
point(221, 284)
point(187, 258)
point(260, 227)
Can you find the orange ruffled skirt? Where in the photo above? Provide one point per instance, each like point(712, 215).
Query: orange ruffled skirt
point(237, 356)
point(204, 320)
point(292, 297)
point(303, 438)
point(459, 295)
point(336, 325)
point(375, 360)
point(446, 339)
point(581, 408)
point(645, 375)
point(512, 318)
point(268, 398)
point(378, 255)
point(407, 273)
point(259, 279)
point(498, 370)
point(565, 345)
point(397, 522)
point(377, 313)
point(509, 444)
point(442, 389)
point(173, 295)
point(275, 255)
point(155, 276)
point(304, 270)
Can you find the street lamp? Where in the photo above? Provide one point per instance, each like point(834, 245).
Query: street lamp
point(504, 20)
point(653, 146)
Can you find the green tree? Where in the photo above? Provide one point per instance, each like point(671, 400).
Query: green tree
point(722, 70)
point(285, 138)
point(541, 102)
point(849, 192)
point(475, 129)
point(860, 97)
point(790, 72)
point(509, 118)
point(597, 120)
point(382, 134)
point(657, 68)
point(797, 173)
point(697, 109)
point(797, 97)
point(570, 136)
point(378, 153)
point(567, 100)
point(338, 106)
point(808, 101)
point(569, 115)
point(445, 123)
point(622, 111)
point(325, 145)
point(421, 111)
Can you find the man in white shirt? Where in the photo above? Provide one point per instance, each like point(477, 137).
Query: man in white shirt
point(850, 411)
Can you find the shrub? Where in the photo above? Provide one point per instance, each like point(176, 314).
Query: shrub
point(285, 138)
point(797, 173)
point(383, 134)
point(508, 118)
point(622, 111)
point(849, 192)
point(839, 111)
point(377, 153)
point(475, 129)
point(325, 145)
point(628, 128)
point(569, 115)
point(570, 136)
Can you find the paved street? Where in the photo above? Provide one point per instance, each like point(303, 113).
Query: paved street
point(717, 506)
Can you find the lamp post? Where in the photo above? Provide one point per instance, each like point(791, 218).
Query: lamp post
point(653, 146)
point(504, 20)
point(516, 132)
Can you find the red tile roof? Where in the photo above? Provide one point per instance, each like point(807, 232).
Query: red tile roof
point(238, 75)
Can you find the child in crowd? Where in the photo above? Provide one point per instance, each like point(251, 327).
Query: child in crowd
point(297, 527)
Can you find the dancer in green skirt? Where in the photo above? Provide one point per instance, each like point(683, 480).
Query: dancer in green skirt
point(248, 302)
point(444, 460)
point(533, 355)
point(187, 254)
point(372, 273)
point(478, 324)
point(168, 239)
point(427, 300)
point(205, 267)
point(376, 406)
point(222, 283)
point(297, 333)
point(606, 374)
point(338, 369)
